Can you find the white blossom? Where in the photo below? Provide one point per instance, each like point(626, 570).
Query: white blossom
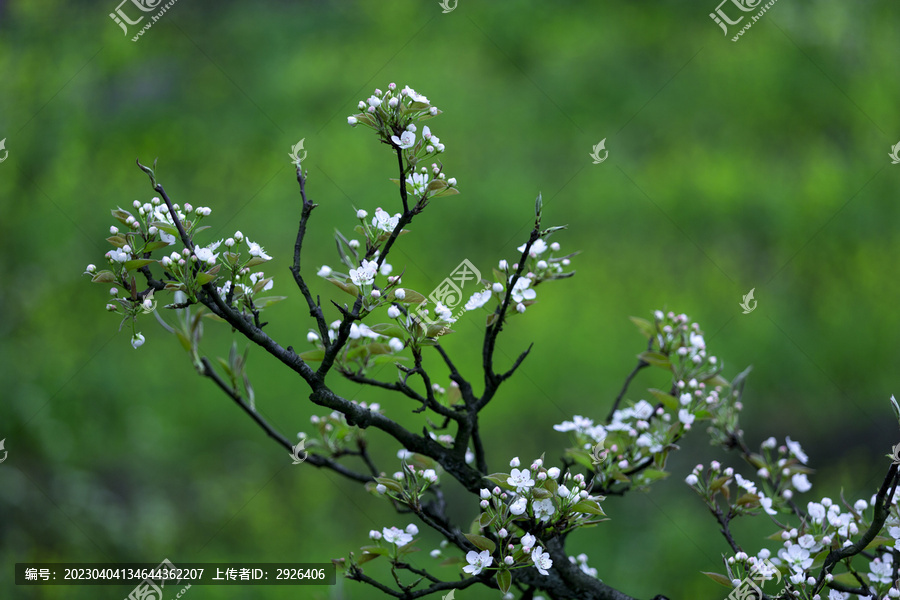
point(543, 509)
point(365, 274)
point(796, 450)
point(137, 340)
point(385, 222)
point(521, 479)
point(396, 536)
point(406, 140)
point(478, 561)
point(478, 299)
point(519, 506)
point(801, 482)
point(541, 560)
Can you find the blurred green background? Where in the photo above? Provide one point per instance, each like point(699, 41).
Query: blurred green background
point(758, 164)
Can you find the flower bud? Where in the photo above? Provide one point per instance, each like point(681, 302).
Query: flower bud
point(399, 293)
point(376, 294)
point(393, 312)
point(514, 462)
point(312, 337)
point(351, 121)
point(503, 265)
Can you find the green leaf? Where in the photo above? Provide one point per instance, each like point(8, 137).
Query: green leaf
point(720, 579)
point(347, 287)
point(412, 297)
point(262, 303)
point(255, 261)
point(121, 215)
point(541, 493)
point(366, 557)
point(151, 246)
point(647, 328)
point(669, 401)
point(313, 355)
point(504, 580)
point(485, 519)
point(205, 277)
point(117, 240)
point(500, 479)
point(389, 329)
point(170, 229)
point(435, 185)
point(590, 507)
point(103, 277)
point(389, 483)
point(656, 359)
point(481, 542)
point(447, 191)
point(879, 540)
point(137, 263)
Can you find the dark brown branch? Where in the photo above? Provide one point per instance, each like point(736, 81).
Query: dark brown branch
point(315, 309)
point(881, 508)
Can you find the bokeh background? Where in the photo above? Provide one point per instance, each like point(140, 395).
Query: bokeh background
point(758, 164)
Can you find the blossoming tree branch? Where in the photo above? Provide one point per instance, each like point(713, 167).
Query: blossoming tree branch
point(517, 544)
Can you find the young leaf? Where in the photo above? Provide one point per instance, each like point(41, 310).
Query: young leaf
point(481, 542)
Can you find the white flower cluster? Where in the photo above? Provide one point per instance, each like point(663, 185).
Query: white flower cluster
point(525, 497)
point(826, 524)
point(394, 115)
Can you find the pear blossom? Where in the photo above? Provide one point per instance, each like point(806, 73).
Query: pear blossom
point(117, 255)
point(478, 300)
point(685, 416)
point(137, 340)
point(257, 251)
point(521, 290)
point(538, 247)
point(816, 512)
point(519, 506)
point(543, 509)
point(766, 504)
point(384, 222)
point(801, 482)
point(207, 254)
point(796, 450)
point(396, 536)
point(365, 274)
point(406, 140)
point(521, 479)
point(796, 558)
point(528, 542)
point(541, 560)
point(396, 344)
point(478, 561)
point(418, 182)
